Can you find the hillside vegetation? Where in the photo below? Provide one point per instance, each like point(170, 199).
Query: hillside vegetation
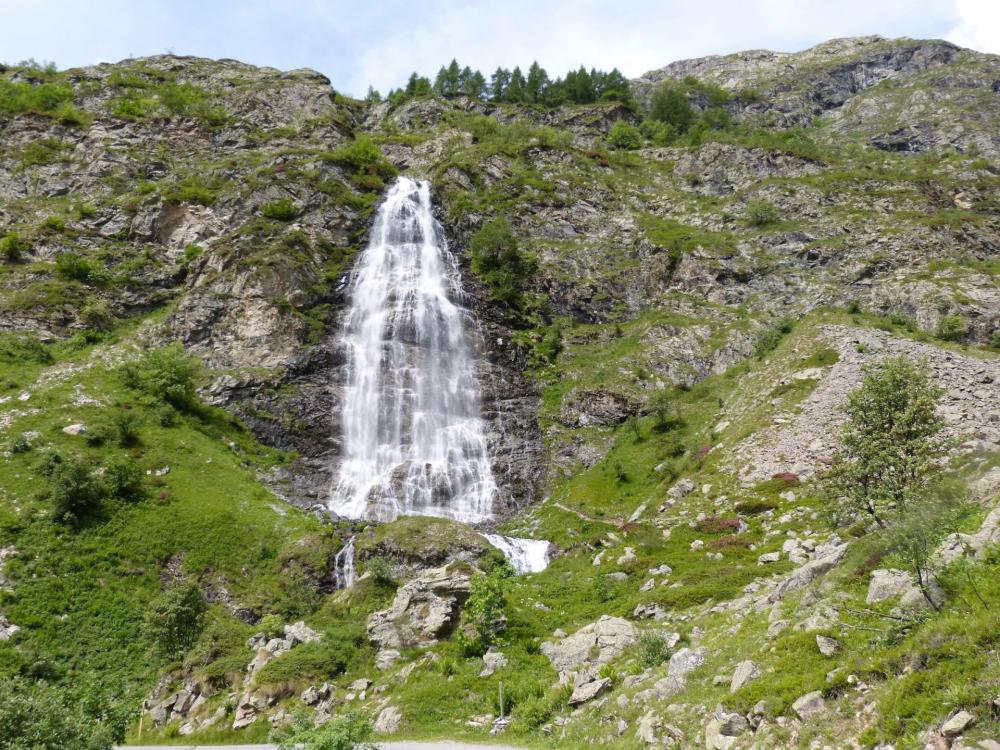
point(688, 290)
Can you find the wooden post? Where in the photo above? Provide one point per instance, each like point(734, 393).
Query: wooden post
point(501, 701)
point(141, 717)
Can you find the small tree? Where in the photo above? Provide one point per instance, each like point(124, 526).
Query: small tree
point(124, 480)
point(670, 104)
point(760, 213)
point(624, 136)
point(497, 260)
point(175, 618)
point(486, 606)
point(663, 407)
point(890, 442)
point(167, 373)
point(76, 492)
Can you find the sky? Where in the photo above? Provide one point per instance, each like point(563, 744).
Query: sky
point(379, 42)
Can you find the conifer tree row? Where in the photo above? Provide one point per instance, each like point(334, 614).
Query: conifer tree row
point(576, 87)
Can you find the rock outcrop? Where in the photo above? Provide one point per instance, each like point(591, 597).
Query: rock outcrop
point(424, 610)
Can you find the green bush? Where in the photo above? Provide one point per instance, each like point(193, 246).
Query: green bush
point(363, 157)
point(760, 213)
point(13, 248)
point(350, 732)
point(772, 336)
point(98, 315)
point(126, 425)
point(499, 263)
point(167, 373)
point(282, 210)
point(43, 151)
point(33, 715)
point(74, 267)
point(624, 136)
point(54, 224)
point(380, 569)
point(175, 618)
point(486, 606)
point(670, 105)
point(952, 328)
point(653, 650)
point(75, 491)
point(658, 133)
point(124, 481)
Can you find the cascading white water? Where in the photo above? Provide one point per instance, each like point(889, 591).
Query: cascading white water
point(525, 555)
point(344, 574)
point(413, 439)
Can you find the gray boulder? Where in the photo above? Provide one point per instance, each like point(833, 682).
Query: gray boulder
point(746, 671)
point(809, 705)
point(424, 610)
point(684, 661)
point(596, 643)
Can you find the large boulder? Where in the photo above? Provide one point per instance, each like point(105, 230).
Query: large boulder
point(424, 610)
point(593, 644)
point(887, 584)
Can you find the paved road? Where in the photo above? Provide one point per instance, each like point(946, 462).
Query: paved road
point(402, 745)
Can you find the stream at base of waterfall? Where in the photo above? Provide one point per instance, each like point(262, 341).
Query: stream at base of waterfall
point(413, 439)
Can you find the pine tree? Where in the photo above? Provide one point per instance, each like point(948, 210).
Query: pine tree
point(499, 82)
point(536, 83)
point(475, 85)
point(515, 89)
point(373, 95)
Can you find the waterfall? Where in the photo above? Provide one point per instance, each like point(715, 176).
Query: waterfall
point(525, 555)
point(343, 566)
point(413, 441)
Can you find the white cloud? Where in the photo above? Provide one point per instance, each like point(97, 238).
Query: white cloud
point(977, 25)
point(635, 37)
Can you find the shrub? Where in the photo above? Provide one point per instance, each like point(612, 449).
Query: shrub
point(670, 105)
point(663, 406)
point(624, 136)
point(658, 133)
point(995, 339)
point(760, 213)
point(33, 715)
point(772, 336)
point(755, 507)
point(497, 260)
point(124, 480)
point(486, 606)
point(74, 267)
point(54, 224)
point(363, 157)
point(175, 618)
point(126, 424)
point(952, 328)
point(98, 315)
point(350, 732)
point(718, 524)
point(75, 491)
point(13, 248)
point(282, 210)
point(380, 569)
point(653, 650)
point(167, 373)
